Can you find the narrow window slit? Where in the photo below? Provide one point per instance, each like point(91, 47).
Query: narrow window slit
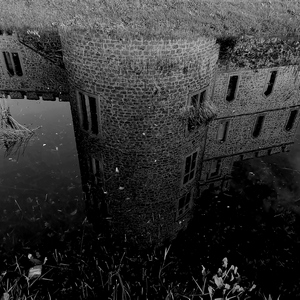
point(231, 91)
point(17, 64)
point(258, 126)
point(270, 84)
point(291, 120)
point(222, 132)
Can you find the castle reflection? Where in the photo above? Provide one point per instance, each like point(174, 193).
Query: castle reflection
point(156, 124)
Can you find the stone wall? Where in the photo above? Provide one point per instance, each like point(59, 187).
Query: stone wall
point(142, 87)
point(242, 113)
point(250, 92)
point(239, 137)
point(39, 74)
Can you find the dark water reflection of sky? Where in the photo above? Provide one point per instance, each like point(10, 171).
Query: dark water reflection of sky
point(49, 164)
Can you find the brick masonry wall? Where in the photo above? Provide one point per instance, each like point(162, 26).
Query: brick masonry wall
point(39, 74)
point(142, 86)
point(251, 86)
point(242, 113)
point(239, 137)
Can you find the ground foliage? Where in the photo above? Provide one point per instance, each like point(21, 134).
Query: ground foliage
point(83, 263)
point(257, 53)
point(149, 19)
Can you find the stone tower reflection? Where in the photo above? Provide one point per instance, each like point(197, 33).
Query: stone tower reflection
point(139, 155)
point(158, 122)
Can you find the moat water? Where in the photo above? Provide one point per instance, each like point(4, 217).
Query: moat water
point(45, 185)
point(40, 184)
point(41, 195)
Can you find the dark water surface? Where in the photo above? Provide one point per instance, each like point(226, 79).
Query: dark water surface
point(43, 183)
point(41, 194)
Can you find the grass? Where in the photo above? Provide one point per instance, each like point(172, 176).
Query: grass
point(90, 270)
point(149, 19)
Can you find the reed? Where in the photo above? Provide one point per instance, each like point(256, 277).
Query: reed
point(14, 137)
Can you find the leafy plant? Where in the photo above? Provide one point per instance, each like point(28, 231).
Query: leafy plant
point(225, 284)
point(198, 116)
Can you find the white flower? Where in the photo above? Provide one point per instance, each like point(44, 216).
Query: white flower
point(203, 270)
point(210, 290)
point(235, 288)
point(218, 281)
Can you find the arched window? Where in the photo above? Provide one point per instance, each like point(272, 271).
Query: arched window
point(290, 123)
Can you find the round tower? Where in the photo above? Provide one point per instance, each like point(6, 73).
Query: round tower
point(131, 103)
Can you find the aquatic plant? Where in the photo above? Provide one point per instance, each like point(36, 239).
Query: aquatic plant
point(14, 137)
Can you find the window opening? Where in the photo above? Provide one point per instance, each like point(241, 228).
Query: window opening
point(96, 169)
point(215, 168)
point(258, 126)
point(85, 122)
point(190, 167)
point(291, 120)
point(270, 84)
point(8, 63)
point(17, 63)
point(184, 204)
point(222, 132)
point(232, 85)
point(196, 101)
point(94, 116)
point(89, 114)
